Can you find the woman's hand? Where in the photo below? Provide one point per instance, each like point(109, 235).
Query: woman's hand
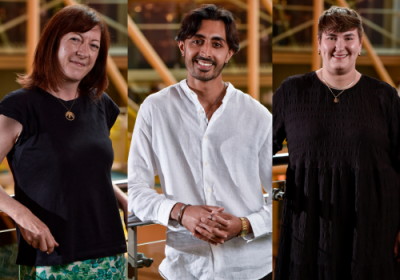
point(36, 233)
point(397, 247)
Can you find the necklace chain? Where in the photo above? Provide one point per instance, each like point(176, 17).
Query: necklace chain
point(223, 90)
point(69, 115)
point(336, 100)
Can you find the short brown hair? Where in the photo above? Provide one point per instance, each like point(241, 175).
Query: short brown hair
point(191, 23)
point(339, 19)
point(47, 72)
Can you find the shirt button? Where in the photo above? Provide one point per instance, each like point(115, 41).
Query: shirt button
point(209, 190)
point(200, 111)
point(206, 163)
point(205, 137)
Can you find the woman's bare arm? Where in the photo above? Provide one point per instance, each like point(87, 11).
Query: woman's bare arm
point(34, 231)
point(122, 200)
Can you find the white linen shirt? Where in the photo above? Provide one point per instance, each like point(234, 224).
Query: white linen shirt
point(222, 164)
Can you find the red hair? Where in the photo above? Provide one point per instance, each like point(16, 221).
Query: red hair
point(47, 72)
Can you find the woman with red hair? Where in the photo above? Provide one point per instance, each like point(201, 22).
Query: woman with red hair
point(55, 134)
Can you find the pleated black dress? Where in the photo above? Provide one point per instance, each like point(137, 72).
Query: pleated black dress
point(342, 206)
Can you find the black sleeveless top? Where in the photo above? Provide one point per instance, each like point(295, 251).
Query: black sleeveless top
point(342, 206)
point(62, 173)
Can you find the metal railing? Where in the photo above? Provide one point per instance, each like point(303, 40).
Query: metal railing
point(279, 187)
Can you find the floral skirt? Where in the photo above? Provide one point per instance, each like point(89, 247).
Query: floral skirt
point(111, 268)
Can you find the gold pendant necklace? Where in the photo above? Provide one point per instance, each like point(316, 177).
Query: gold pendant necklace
point(69, 115)
point(336, 99)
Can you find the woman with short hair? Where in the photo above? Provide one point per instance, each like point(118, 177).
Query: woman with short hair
point(341, 215)
point(55, 134)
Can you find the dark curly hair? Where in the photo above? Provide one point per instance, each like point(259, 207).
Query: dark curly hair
point(192, 21)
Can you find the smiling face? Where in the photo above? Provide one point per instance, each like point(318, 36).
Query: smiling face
point(206, 52)
point(339, 50)
point(78, 52)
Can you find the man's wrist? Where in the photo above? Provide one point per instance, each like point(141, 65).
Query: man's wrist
point(245, 227)
point(175, 211)
point(249, 228)
point(181, 212)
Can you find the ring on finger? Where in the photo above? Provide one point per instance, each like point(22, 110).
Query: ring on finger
point(211, 215)
point(219, 226)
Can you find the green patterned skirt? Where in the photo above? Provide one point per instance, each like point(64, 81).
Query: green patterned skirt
point(111, 268)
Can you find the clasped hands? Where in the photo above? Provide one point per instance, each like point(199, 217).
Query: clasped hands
point(196, 218)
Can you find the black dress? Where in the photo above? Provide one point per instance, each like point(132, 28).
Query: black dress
point(342, 205)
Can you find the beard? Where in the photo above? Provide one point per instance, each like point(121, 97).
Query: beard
point(200, 75)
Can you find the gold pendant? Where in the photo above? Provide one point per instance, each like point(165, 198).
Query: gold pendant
point(336, 100)
point(69, 116)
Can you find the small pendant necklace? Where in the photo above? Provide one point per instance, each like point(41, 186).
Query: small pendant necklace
point(206, 118)
point(69, 115)
point(336, 99)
